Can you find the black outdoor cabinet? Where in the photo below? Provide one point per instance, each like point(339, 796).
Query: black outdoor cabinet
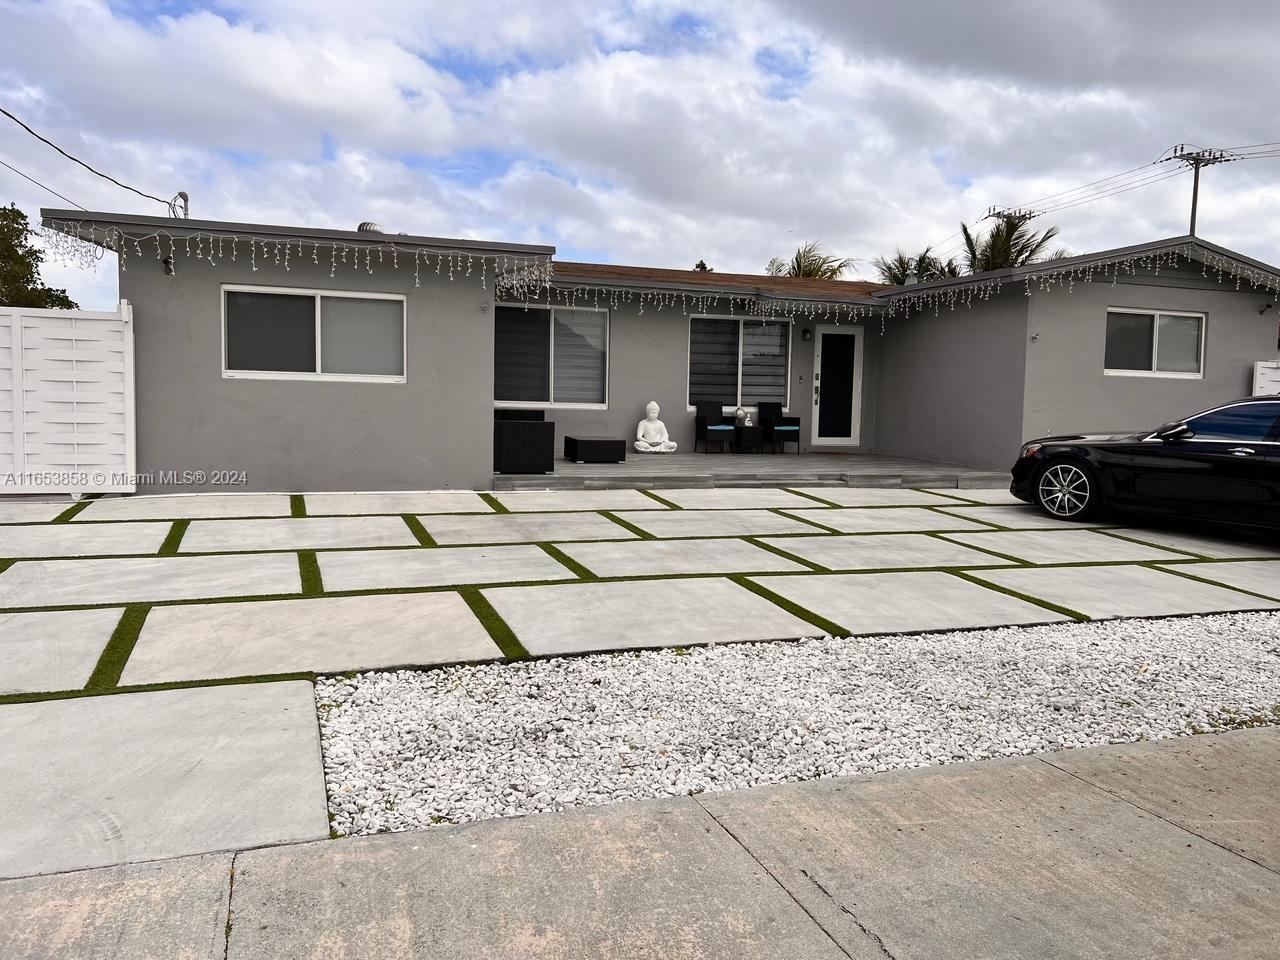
point(524, 441)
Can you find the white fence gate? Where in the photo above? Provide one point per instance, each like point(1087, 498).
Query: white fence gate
point(66, 401)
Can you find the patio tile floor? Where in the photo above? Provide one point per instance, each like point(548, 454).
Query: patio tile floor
point(1020, 517)
point(1244, 547)
point(53, 583)
point(96, 539)
point(410, 501)
point(33, 511)
point(144, 776)
point(52, 649)
point(526, 501)
point(876, 496)
point(524, 528)
point(716, 523)
point(993, 495)
point(187, 507)
point(322, 635)
point(868, 603)
point(733, 498)
point(442, 567)
point(1063, 546)
point(898, 520)
point(1121, 591)
point(1256, 576)
point(581, 617)
point(296, 533)
point(882, 551)
point(650, 558)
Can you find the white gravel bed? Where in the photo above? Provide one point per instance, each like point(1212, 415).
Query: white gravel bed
point(409, 749)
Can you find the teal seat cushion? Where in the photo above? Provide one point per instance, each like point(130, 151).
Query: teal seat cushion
point(779, 429)
point(719, 426)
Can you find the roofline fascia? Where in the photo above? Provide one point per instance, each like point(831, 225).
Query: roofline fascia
point(751, 293)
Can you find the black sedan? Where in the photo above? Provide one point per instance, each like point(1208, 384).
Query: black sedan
point(1221, 464)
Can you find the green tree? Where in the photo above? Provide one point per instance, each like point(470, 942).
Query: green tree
point(809, 261)
point(1009, 243)
point(901, 267)
point(701, 267)
point(20, 259)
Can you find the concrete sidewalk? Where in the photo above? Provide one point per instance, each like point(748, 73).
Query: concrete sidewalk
point(1168, 849)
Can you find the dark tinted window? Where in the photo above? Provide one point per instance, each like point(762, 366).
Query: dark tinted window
point(713, 360)
point(271, 332)
point(521, 354)
point(1130, 337)
point(1248, 421)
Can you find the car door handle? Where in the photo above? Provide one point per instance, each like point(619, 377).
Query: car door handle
point(1241, 451)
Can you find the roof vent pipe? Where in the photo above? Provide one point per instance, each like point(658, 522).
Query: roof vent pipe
point(370, 227)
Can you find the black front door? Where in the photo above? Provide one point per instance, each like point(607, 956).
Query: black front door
point(833, 386)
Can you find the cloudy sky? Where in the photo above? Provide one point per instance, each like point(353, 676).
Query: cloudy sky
point(652, 131)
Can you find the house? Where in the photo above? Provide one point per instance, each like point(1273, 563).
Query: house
point(346, 360)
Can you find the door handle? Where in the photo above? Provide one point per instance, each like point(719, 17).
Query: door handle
point(1241, 451)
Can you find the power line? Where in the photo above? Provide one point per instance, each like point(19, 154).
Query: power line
point(41, 185)
point(99, 173)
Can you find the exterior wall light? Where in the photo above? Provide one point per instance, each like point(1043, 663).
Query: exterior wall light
point(806, 334)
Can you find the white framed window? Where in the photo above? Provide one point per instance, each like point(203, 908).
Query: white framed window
point(550, 357)
point(739, 361)
point(292, 333)
point(1154, 343)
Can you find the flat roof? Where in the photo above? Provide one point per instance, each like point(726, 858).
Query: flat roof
point(128, 223)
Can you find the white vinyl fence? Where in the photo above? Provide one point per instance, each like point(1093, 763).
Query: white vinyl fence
point(66, 401)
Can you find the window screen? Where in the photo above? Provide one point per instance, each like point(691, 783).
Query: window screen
point(1251, 422)
point(271, 332)
point(713, 360)
point(580, 355)
point(521, 354)
point(764, 362)
point(1178, 344)
point(1129, 341)
point(362, 336)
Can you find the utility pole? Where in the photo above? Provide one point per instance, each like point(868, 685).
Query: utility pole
point(1195, 158)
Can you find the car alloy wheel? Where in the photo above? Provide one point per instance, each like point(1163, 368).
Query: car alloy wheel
point(1064, 490)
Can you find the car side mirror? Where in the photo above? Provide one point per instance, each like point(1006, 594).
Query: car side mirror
point(1177, 430)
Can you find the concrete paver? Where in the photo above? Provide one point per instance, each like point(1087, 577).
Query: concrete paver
point(1020, 517)
point(632, 880)
point(716, 523)
point(523, 528)
point(868, 603)
point(578, 617)
point(733, 498)
point(32, 511)
point(1224, 787)
point(883, 551)
point(1244, 546)
point(187, 507)
point(876, 496)
point(51, 583)
point(169, 910)
point(439, 567)
point(400, 501)
point(296, 533)
point(52, 650)
point(1001, 859)
point(548, 500)
point(1256, 576)
point(1063, 546)
point(1122, 591)
point(85, 540)
point(897, 520)
point(649, 558)
point(100, 780)
point(322, 635)
point(994, 495)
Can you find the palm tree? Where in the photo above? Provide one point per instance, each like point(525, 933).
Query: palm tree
point(901, 268)
point(809, 261)
point(1008, 244)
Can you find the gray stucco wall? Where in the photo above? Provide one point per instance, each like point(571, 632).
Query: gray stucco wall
point(1066, 390)
point(435, 430)
point(648, 360)
point(950, 385)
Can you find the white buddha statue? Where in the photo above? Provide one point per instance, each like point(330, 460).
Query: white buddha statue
point(651, 433)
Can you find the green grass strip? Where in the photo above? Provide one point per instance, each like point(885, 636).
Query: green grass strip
point(106, 674)
point(67, 514)
point(502, 634)
point(418, 530)
point(1179, 568)
point(757, 542)
point(563, 558)
point(309, 569)
point(6, 564)
point(1025, 597)
point(809, 496)
point(828, 627)
point(170, 546)
point(491, 500)
point(627, 525)
point(297, 505)
point(150, 687)
point(666, 503)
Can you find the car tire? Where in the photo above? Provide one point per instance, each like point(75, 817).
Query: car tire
point(1068, 489)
